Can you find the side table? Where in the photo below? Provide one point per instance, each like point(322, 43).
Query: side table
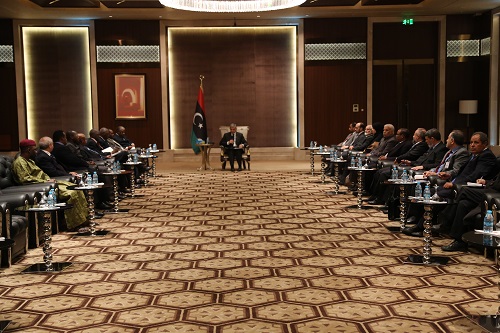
point(427, 258)
point(361, 171)
point(89, 195)
point(311, 156)
point(336, 163)
point(47, 266)
point(489, 322)
point(205, 155)
point(114, 174)
point(131, 166)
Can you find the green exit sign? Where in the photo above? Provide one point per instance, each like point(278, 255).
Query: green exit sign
point(408, 21)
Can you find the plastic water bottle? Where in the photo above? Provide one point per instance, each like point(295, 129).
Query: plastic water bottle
point(155, 147)
point(488, 222)
point(50, 199)
point(335, 156)
point(136, 158)
point(95, 178)
point(54, 197)
point(427, 193)
point(89, 179)
point(353, 162)
point(418, 190)
point(311, 144)
point(148, 151)
point(331, 154)
point(360, 162)
point(394, 174)
point(404, 176)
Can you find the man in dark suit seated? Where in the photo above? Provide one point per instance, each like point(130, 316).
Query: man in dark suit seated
point(233, 142)
point(456, 220)
point(64, 156)
point(47, 162)
point(480, 163)
point(122, 139)
point(378, 188)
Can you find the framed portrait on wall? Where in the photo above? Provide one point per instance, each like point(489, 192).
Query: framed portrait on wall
point(130, 96)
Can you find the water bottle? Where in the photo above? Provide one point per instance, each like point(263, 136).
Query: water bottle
point(50, 198)
point(89, 179)
point(311, 144)
point(148, 151)
point(488, 222)
point(331, 154)
point(155, 147)
point(394, 174)
point(353, 162)
point(418, 190)
point(95, 178)
point(427, 193)
point(136, 158)
point(335, 156)
point(54, 197)
point(360, 162)
point(404, 176)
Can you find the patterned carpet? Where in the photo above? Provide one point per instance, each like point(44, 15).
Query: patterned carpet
point(246, 252)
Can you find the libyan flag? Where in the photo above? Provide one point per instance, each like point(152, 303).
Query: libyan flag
point(199, 131)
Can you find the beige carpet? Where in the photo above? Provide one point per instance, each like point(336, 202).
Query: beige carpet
point(259, 251)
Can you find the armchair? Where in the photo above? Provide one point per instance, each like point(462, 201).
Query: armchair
point(246, 153)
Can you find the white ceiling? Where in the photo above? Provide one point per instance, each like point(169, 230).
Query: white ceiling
point(24, 9)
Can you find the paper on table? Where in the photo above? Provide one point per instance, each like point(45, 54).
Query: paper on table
point(474, 184)
point(493, 233)
point(419, 177)
point(107, 150)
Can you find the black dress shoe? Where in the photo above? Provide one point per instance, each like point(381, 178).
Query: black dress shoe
point(240, 169)
point(411, 220)
point(125, 190)
point(439, 229)
point(375, 202)
point(103, 205)
point(232, 169)
point(410, 230)
point(456, 245)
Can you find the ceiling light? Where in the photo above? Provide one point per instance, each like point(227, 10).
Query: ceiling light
point(230, 6)
point(53, 1)
point(120, 2)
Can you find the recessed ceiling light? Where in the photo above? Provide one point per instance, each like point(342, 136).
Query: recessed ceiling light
point(110, 16)
point(53, 1)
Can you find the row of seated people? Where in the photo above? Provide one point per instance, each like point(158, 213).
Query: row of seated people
point(71, 155)
point(451, 164)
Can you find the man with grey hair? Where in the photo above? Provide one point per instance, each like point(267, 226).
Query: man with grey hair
point(234, 143)
point(47, 162)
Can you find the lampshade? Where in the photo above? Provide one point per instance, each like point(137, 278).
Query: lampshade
point(231, 6)
point(467, 107)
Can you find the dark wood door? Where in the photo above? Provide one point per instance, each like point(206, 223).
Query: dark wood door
point(404, 93)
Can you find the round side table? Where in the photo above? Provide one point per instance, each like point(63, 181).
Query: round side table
point(489, 322)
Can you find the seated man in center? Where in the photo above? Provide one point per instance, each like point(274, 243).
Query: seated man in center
point(233, 142)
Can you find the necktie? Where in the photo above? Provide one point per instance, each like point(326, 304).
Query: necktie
point(234, 140)
point(445, 159)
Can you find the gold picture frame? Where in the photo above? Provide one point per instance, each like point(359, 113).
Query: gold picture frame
point(130, 96)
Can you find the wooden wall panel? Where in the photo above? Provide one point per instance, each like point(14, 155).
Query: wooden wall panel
point(8, 126)
point(330, 92)
point(141, 131)
point(249, 79)
point(58, 75)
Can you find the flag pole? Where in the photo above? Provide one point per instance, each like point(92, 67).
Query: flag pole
point(201, 81)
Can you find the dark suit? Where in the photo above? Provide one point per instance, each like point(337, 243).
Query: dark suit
point(402, 147)
point(49, 164)
point(483, 165)
point(95, 146)
point(385, 145)
point(416, 151)
point(377, 187)
point(122, 140)
point(432, 157)
point(231, 149)
point(362, 142)
point(66, 158)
